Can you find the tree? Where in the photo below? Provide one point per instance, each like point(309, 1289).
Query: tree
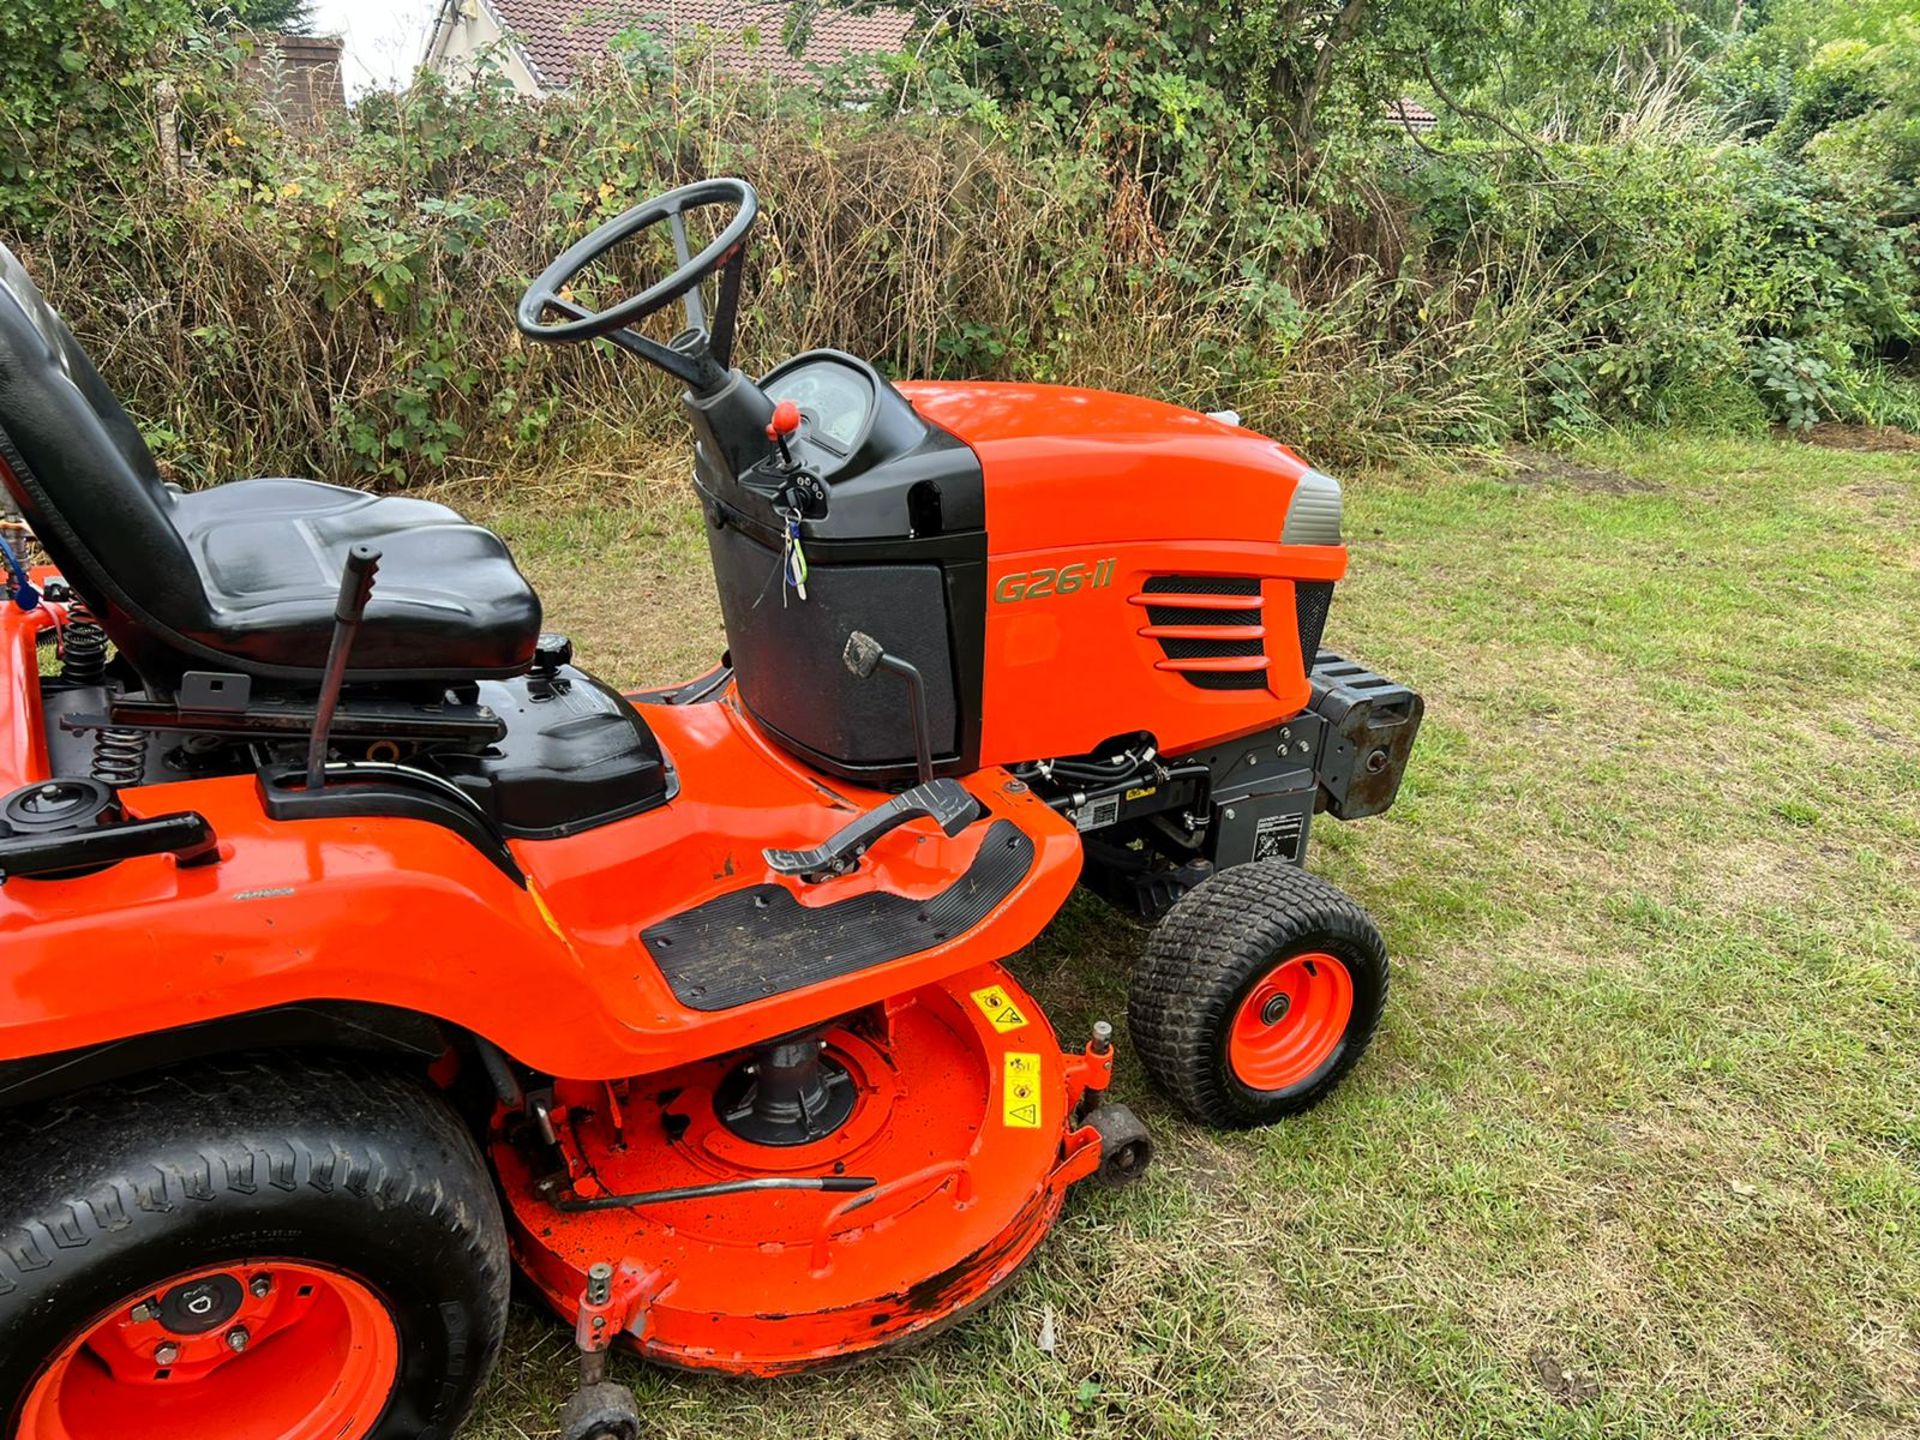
point(291, 17)
point(1282, 71)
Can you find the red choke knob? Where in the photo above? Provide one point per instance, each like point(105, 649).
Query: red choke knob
point(786, 420)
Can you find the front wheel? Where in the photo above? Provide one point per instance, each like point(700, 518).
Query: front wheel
point(234, 1251)
point(1256, 994)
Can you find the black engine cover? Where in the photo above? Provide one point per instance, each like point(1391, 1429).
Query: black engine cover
point(576, 754)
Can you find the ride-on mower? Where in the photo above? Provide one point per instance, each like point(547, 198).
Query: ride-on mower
point(357, 945)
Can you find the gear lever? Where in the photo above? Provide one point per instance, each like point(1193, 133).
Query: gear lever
point(356, 588)
point(785, 423)
point(863, 656)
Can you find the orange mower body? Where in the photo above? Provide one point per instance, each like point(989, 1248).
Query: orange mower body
point(692, 1004)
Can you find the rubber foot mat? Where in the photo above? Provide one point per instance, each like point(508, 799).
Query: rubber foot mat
point(749, 944)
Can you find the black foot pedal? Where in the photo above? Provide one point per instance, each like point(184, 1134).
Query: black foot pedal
point(944, 801)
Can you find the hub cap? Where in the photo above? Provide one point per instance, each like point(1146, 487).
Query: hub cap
point(268, 1349)
point(790, 1093)
point(1291, 1022)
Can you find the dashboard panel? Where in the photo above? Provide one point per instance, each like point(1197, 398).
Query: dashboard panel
point(836, 398)
point(862, 466)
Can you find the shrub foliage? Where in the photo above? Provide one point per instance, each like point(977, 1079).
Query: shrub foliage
point(1737, 249)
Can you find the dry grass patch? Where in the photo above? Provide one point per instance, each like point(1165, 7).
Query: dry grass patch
point(1834, 435)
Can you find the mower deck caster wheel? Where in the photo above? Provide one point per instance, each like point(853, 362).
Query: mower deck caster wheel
point(1126, 1150)
point(604, 1411)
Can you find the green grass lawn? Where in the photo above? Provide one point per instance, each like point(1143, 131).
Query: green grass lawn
point(1637, 1152)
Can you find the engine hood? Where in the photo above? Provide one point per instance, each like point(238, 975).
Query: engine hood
point(1059, 460)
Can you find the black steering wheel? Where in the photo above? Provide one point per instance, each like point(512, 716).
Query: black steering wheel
point(700, 354)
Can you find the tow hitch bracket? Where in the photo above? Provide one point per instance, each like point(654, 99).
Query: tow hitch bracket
point(1371, 725)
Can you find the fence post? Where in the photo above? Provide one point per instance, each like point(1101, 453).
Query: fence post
point(167, 130)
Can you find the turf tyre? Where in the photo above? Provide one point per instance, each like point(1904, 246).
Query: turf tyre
point(357, 1169)
point(1207, 955)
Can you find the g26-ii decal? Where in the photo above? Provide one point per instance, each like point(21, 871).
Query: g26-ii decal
point(1042, 581)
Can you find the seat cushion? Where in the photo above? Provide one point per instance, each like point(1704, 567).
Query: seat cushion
point(448, 600)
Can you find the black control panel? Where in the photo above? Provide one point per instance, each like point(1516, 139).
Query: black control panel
point(863, 464)
point(856, 514)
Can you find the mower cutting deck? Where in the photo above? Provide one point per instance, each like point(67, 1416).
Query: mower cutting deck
point(429, 953)
point(970, 1126)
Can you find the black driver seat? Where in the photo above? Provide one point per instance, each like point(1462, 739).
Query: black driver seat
point(242, 577)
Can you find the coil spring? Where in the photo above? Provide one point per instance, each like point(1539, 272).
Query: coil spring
point(83, 650)
point(119, 757)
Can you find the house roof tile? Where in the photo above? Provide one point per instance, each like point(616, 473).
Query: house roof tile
point(1410, 113)
point(557, 36)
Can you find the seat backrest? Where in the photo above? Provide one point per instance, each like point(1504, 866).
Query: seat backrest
point(86, 482)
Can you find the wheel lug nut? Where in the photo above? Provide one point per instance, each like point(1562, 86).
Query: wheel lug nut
point(237, 1339)
point(262, 1286)
point(166, 1354)
point(142, 1313)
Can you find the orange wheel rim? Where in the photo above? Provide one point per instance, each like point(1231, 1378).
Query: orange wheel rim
point(1291, 1022)
point(265, 1349)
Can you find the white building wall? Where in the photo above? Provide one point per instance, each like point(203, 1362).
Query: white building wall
point(466, 30)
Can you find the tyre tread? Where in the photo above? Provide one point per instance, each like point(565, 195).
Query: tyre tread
point(89, 1166)
point(1196, 962)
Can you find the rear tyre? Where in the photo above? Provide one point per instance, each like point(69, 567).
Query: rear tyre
point(1256, 994)
point(231, 1250)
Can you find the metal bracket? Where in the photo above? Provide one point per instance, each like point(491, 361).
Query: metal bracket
point(364, 719)
point(608, 1305)
point(214, 692)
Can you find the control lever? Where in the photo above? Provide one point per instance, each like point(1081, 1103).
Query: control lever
point(943, 801)
point(863, 656)
point(356, 588)
point(785, 422)
point(186, 835)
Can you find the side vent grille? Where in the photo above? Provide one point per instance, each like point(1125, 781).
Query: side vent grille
point(1312, 600)
point(1210, 628)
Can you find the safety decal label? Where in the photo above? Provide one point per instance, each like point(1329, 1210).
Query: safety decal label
point(1020, 1094)
point(1097, 814)
point(998, 1007)
point(1277, 837)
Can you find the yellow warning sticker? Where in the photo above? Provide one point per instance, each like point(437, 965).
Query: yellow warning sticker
point(1020, 1091)
point(998, 1007)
